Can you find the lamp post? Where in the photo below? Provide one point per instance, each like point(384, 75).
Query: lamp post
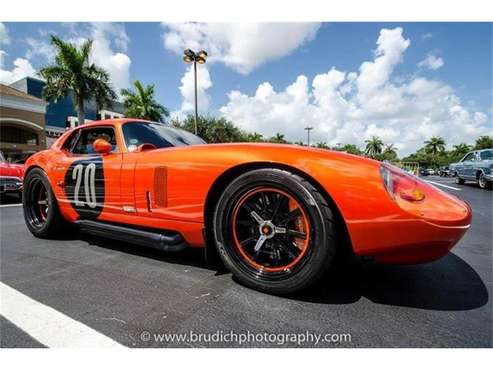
point(308, 129)
point(193, 57)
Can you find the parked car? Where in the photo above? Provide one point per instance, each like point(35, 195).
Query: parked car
point(275, 215)
point(11, 176)
point(423, 172)
point(476, 166)
point(431, 171)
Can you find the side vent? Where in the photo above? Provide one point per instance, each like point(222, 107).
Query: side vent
point(160, 187)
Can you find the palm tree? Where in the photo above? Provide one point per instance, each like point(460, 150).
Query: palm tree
point(484, 142)
point(254, 137)
point(373, 147)
point(390, 152)
point(141, 103)
point(72, 72)
point(435, 145)
point(278, 138)
point(461, 149)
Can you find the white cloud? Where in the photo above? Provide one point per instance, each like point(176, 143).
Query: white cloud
point(241, 46)
point(41, 47)
point(349, 107)
point(431, 62)
point(21, 68)
point(187, 90)
point(4, 35)
point(110, 41)
point(427, 35)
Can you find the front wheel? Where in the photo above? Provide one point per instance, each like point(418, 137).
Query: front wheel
point(483, 183)
point(274, 231)
point(459, 181)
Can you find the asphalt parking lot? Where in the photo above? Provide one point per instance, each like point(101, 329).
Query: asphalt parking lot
point(120, 291)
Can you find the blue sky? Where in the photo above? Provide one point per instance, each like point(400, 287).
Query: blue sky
point(452, 59)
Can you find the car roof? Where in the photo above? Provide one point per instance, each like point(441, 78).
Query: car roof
point(115, 121)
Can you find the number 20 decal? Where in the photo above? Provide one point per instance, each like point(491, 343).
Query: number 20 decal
point(88, 175)
point(84, 187)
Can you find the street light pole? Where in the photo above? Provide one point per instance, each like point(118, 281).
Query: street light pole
point(193, 57)
point(196, 104)
point(308, 129)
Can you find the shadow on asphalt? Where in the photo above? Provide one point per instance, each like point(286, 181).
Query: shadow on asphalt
point(448, 284)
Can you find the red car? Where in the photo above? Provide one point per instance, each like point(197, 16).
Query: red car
point(11, 176)
point(274, 214)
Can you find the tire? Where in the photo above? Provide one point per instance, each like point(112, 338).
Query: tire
point(459, 181)
point(294, 253)
point(483, 183)
point(41, 212)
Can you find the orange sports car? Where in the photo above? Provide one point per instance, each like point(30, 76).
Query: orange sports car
point(275, 215)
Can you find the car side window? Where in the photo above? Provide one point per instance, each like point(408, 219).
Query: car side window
point(470, 157)
point(70, 141)
point(88, 136)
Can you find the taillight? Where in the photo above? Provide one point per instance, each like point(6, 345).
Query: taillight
point(401, 184)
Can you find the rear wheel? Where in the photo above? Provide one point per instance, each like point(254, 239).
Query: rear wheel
point(41, 213)
point(274, 231)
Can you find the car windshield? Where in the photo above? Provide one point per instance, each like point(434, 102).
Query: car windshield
point(158, 134)
point(487, 154)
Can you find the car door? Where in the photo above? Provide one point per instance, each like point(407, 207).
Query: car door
point(88, 182)
point(465, 165)
point(469, 166)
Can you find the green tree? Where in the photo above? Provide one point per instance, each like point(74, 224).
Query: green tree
point(389, 153)
point(322, 145)
point(278, 139)
point(459, 151)
point(142, 104)
point(350, 148)
point(72, 72)
point(435, 145)
point(374, 147)
point(212, 129)
point(254, 137)
point(484, 142)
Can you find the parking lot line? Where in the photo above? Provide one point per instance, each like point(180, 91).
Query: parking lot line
point(46, 325)
point(10, 205)
point(445, 186)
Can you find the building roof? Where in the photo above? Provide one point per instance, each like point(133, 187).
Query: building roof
point(8, 90)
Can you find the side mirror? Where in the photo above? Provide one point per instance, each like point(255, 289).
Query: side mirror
point(101, 146)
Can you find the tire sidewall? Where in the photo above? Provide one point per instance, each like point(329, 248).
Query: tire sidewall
point(33, 175)
point(321, 248)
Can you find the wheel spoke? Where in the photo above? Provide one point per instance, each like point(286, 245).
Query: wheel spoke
point(288, 248)
point(247, 241)
point(42, 202)
point(277, 204)
point(293, 215)
point(259, 243)
point(296, 233)
point(253, 214)
point(265, 200)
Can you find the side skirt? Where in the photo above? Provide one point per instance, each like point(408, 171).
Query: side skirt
point(168, 241)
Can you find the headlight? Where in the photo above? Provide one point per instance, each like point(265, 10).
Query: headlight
point(400, 183)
